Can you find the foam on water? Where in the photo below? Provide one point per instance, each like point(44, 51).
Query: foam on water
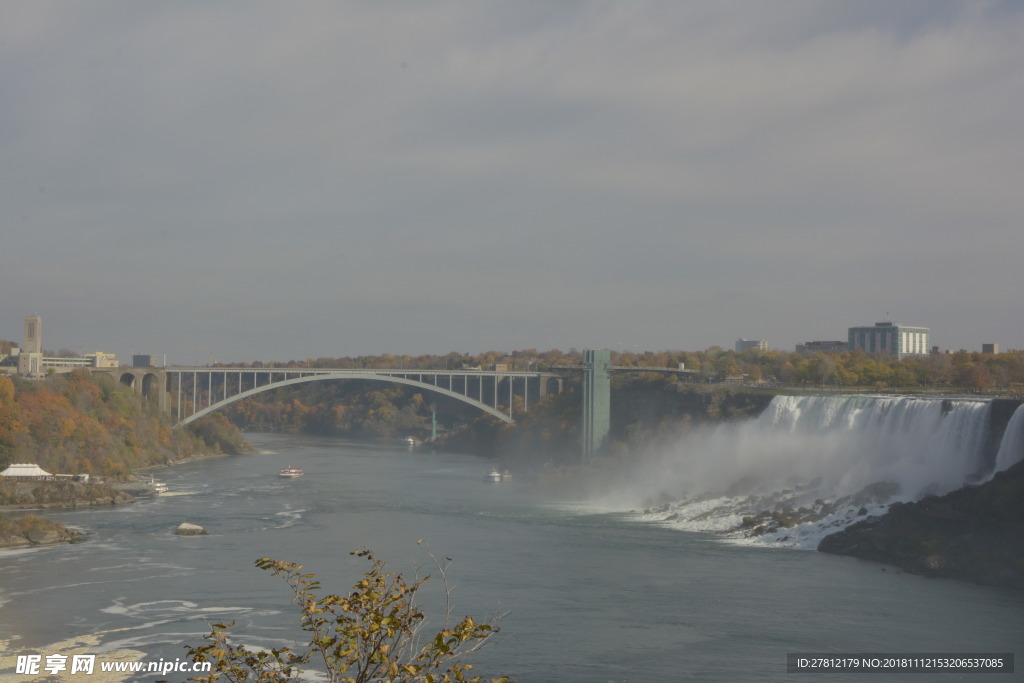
point(288, 518)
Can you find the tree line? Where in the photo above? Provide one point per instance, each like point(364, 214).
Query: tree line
point(965, 370)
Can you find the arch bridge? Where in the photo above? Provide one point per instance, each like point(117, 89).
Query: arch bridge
point(189, 393)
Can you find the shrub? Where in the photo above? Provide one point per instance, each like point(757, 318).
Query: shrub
point(371, 634)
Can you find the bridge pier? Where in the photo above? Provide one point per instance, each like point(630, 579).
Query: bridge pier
point(147, 383)
point(597, 403)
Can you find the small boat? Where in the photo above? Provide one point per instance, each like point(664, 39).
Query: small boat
point(493, 475)
point(506, 475)
point(290, 472)
point(157, 487)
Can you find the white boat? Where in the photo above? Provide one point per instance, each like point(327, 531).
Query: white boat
point(506, 475)
point(493, 475)
point(157, 487)
point(290, 472)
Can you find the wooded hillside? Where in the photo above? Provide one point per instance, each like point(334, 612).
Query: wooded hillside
point(80, 423)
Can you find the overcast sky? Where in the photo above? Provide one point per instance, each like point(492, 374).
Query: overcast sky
point(281, 180)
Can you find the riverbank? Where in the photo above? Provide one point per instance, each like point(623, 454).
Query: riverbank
point(186, 460)
point(35, 495)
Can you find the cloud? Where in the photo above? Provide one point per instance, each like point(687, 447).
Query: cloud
point(515, 173)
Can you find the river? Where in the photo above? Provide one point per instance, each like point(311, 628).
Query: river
point(590, 595)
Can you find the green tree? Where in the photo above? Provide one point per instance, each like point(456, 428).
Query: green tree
point(369, 635)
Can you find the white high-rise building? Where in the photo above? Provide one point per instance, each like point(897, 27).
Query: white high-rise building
point(892, 338)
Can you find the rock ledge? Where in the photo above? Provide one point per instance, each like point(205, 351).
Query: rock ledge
point(974, 534)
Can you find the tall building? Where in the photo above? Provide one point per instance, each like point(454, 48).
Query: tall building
point(30, 361)
point(747, 344)
point(892, 338)
point(33, 334)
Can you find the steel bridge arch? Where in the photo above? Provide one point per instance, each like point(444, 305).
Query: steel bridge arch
point(326, 376)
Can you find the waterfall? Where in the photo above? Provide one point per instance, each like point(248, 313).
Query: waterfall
point(809, 465)
point(1011, 448)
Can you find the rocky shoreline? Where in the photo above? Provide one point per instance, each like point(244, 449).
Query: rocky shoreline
point(973, 534)
point(29, 531)
point(55, 495)
point(183, 461)
point(52, 495)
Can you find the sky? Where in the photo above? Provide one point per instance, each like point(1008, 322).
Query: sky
point(252, 180)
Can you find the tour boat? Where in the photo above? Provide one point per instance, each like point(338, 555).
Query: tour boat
point(157, 487)
point(493, 475)
point(291, 472)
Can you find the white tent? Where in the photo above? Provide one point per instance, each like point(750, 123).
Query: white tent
point(25, 470)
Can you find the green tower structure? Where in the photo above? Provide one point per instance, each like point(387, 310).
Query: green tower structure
point(597, 403)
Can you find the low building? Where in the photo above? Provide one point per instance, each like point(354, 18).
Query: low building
point(26, 472)
point(103, 360)
point(822, 347)
point(747, 344)
point(37, 365)
point(89, 360)
point(990, 348)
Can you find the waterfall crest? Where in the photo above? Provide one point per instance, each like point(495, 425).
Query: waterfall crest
point(810, 465)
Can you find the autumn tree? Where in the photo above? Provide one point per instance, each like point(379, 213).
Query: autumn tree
point(10, 420)
point(371, 634)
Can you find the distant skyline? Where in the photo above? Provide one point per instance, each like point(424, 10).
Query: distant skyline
point(271, 181)
point(162, 359)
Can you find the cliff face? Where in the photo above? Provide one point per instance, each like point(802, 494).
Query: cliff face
point(975, 534)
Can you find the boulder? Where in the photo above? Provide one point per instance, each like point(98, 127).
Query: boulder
point(186, 529)
point(13, 541)
point(44, 537)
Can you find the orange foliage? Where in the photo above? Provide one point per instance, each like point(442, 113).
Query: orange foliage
point(78, 423)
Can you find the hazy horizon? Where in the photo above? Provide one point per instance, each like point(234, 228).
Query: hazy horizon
point(279, 181)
